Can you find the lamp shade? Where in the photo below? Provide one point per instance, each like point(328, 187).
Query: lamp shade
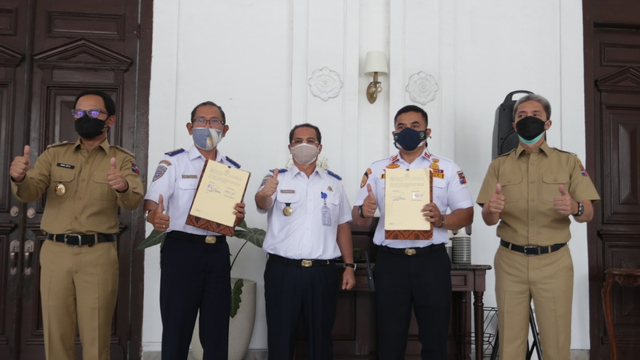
point(376, 61)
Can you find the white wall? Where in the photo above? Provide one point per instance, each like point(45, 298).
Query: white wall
point(255, 59)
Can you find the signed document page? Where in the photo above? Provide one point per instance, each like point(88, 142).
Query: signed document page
point(407, 191)
point(220, 188)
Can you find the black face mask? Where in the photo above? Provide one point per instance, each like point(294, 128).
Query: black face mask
point(409, 139)
point(89, 128)
point(530, 127)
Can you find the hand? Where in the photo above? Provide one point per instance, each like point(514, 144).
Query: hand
point(20, 165)
point(496, 202)
point(370, 204)
point(432, 214)
point(238, 211)
point(158, 218)
point(563, 202)
point(271, 185)
point(115, 178)
point(348, 278)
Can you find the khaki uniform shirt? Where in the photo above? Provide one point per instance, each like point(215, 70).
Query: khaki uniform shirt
point(529, 184)
point(88, 205)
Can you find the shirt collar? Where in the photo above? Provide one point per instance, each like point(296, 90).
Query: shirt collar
point(397, 157)
point(104, 145)
point(295, 171)
point(194, 153)
point(544, 147)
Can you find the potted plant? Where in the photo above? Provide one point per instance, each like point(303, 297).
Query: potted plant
point(241, 322)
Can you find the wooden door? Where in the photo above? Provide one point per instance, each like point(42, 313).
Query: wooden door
point(50, 50)
point(612, 89)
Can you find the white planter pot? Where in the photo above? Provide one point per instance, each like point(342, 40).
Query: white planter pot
point(240, 326)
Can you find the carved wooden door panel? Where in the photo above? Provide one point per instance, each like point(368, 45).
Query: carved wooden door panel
point(612, 82)
point(50, 50)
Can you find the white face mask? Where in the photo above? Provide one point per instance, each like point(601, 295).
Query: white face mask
point(304, 154)
point(206, 138)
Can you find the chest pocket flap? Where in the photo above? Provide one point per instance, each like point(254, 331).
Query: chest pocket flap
point(287, 197)
point(512, 186)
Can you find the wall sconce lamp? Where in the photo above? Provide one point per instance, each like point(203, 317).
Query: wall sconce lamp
point(375, 64)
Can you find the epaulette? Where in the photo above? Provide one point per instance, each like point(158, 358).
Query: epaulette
point(334, 174)
point(124, 150)
point(59, 144)
point(174, 152)
point(508, 152)
point(232, 162)
point(280, 171)
point(566, 152)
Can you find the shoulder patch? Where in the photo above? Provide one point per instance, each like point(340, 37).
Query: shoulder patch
point(334, 174)
point(124, 150)
point(365, 177)
point(174, 152)
point(232, 162)
point(59, 144)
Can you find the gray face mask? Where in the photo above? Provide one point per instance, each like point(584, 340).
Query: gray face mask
point(206, 138)
point(304, 154)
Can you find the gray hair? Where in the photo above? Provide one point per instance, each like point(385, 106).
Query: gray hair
point(533, 97)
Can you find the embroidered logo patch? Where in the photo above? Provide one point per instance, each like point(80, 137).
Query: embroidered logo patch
point(461, 177)
point(159, 172)
point(134, 168)
point(365, 177)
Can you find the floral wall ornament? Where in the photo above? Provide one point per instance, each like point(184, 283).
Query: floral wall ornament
point(422, 88)
point(325, 83)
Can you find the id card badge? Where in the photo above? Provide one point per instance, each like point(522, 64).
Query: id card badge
point(326, 216)
point(326, 213)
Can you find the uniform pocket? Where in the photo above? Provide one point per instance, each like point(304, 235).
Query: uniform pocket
point(550, 184)
point(512, 186)
point(102, 189)
point(62, 183)
point(188, 188)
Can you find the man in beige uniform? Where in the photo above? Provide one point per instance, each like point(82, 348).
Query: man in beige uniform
point(85, 183)
point(534, 191)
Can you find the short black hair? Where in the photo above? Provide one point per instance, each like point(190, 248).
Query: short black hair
point(109, 104)
point(318, 135)
point(412, 108)
point(210, 103)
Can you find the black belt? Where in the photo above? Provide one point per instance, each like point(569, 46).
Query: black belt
point(410, 251)
point(81, 239)
point(209, 239)
point(531, 250)
point(300, 262)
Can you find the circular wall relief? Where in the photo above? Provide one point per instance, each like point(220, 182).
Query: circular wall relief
point(422, 88)
point(325, 84)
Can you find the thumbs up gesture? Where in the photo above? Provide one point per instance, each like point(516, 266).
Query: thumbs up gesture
point(563, 202)
point(115, 178)
point(370, 204)
point(496, 202)
point(271, 185)
point(20, 165)
point(158, 218)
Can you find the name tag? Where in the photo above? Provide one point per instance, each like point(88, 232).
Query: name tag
point(189, 176)
point(287, 191)
point(66, 166)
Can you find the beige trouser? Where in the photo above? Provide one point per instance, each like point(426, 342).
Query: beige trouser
point(548, 279)
point(79, 286)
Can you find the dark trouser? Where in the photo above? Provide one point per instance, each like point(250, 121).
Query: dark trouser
point(195, 276)
point(421, 281)
point(291, 291)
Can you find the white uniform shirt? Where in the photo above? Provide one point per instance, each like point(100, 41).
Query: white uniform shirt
point(176, 178)
point(302, 234)
point(449, 191)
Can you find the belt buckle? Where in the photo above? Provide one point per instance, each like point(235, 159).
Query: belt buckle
point(410, 252)
point(531, 250)
point(306, 263)
point(77, 236)
point(210, 239)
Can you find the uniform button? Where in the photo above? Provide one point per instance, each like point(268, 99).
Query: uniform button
point(532, 200)
point(555, 179)
point(533, 163)
point(532, 219)
point(508, 181)
point(83, 180)
point(79, 198)
point(533, 181)
point(533, 238)
point(75, 218)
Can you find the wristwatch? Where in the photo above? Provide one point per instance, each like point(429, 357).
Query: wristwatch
point(360, 213)
point(442, 223)
point(580, 210)
point(351, 265)
point(146, 215)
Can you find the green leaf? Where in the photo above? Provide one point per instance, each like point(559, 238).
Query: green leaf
point(252, 235)
point(155, 238)
point(236, 291)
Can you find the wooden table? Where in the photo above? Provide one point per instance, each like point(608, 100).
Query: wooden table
point(624, 277)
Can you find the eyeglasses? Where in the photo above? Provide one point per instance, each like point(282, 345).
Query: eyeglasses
point(309, 141)
point(205, 122)
point(92, 113)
